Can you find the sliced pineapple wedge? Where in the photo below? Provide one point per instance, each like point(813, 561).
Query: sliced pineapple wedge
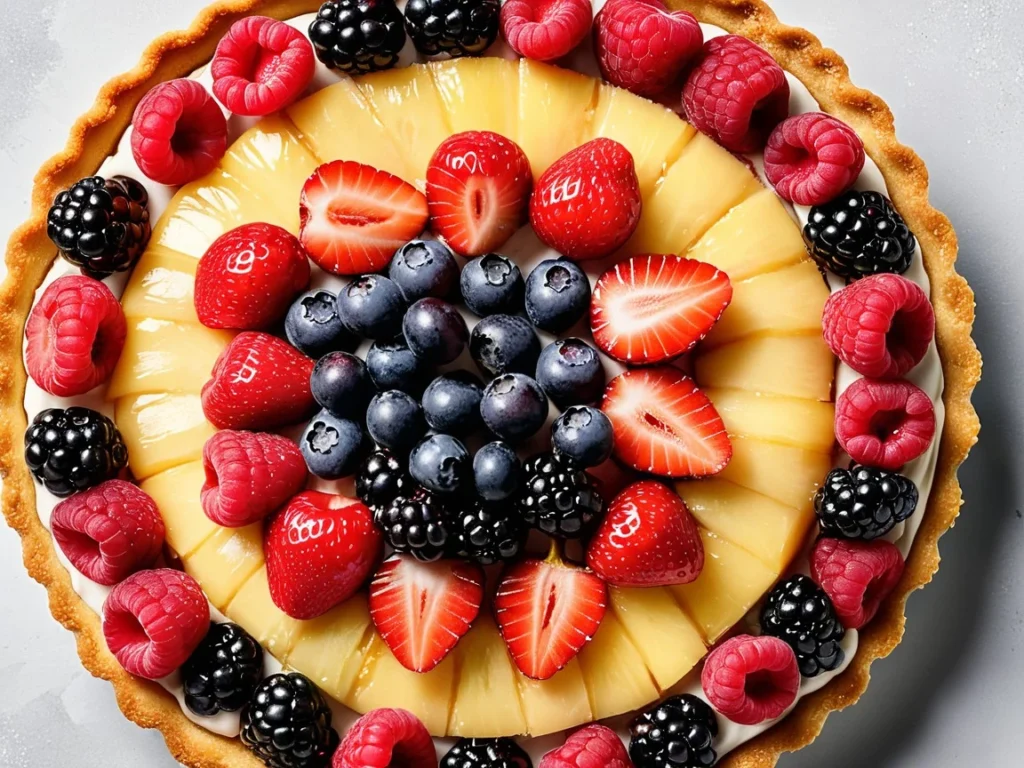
point(790, 421)
point(781, 472)
point(161, 430)
point(224, 562)
point(176, 493)
point(162, 287)
point(327, 649)
point(792, 366)
point(253, 609)
point(614, 672)
point(555, 704)
point(479, 94)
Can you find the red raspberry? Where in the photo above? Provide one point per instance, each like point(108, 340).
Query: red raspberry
point(178, 132)
point(261, 66)
point(386, 737)
point(595, 746)
point(736, 93)
point(75, 336)
point(249, 475)
point(154, 620)
point(642, 46)
point(813, 158)
point(545, 29)
point(884, 424)
point(856, 575)
point(751, 679)
point(109, 532)
point(880, 325)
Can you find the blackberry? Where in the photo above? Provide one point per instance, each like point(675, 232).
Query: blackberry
point(486, 753)
point(863, 502)
point(799, 612)
point(455, 27)
point(287, 723)
point(357, 36)
point(418, 525)
point(859, 234)
point(558, 497)
point(489, 532)
point(380, 480)
point(679, 732)
point(223, 672)
point(100, 225)
point(73, 449)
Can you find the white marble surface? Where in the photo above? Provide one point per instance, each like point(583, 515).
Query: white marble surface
point(953, 72)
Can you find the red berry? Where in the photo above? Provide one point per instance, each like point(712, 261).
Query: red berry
point(880, 325)
point(813, 158)
point(75, 335)
point(594, 746)
point(545, 29)
point(154, 620)
point(856, 575)
point(248, 277)
point(642, 46)
point(751, 679)
point(178, 132)
point(884, 424)
point(736, 93)
point(386, 737)
point(261, 66)
point(109, 532)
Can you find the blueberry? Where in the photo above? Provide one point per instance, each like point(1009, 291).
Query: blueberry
point(514, 407)
point(314, 327)
point(570, 372)
point(392, 365)
point(496, 470)
point(504, 344)
point(372, 306)
point(440, 463)
point(584, 434)
point(451, 403)
point(332, 447)
point(557, 295)
point(341, 384)
point(395, 421)
point(435, 331)
point(492, 284)
point(424, 268)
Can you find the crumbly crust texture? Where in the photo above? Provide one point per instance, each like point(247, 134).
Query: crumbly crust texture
point(95, 135)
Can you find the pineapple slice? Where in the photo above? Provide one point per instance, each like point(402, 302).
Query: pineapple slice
point(161, 430)
point(793, 366)
point(788, 475)
point(486, 702)
point(161, 287)
point(225, 561)
point(176, 493)
point(339, 124)
point(327, 650)
point(554, 704)
point(614, 671)
point(253, 609)
point(479, 94)
point(800, 423)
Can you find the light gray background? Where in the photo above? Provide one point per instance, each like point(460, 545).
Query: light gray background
point(953, 73)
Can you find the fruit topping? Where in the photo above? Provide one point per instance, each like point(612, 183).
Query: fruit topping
point(488, 532)
point(587, 203)
point(650, 309)
point(320, 548)
point(863, 502)
point(514, 407)
point(341, 384)
point(558, 497)
point(496, 470)
point(584, 434)
point(223, 672)
point(381, 479)
point(261, 66)
point(435, 331)
point(392, 365)
point(799, 612)
point(313, 325)
point(491, 285)
point(570, 373)
point(417, 523)
point(372, 307)
point(502, 344)
point(455, 27)
point(478, 190)
point(557, 295)
point(751, 679)
point(332, 446)
point(358, 36)
point(355, 217)
point(856, 575)
point(593, 746)
point(74, 336)
point(154, 620)
point(73, 449)
point(109, 532)
point(178, 132)
point(422, 610)
point(813, 158)
point(680, 731)
point(884, 424)
point(486, 753)
point(451, 403)
point(440, 463)
point(395, 420)
point(287, 723)
point(424, 268)
point(545, 30)
point(386, 737)
point(664, 424)
point(100, 225)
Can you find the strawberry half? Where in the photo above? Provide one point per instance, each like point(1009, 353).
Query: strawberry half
point(478, 190)
point(355, 217)
point(649, 309)
point(664, 425)
point(422, 610)
point(547, 611)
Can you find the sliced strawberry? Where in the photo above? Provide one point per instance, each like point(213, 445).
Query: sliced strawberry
point(649, 309)
point(422, 610)
point(547, 611)
point(355, 217)
point(478, 191)
point(664, 425)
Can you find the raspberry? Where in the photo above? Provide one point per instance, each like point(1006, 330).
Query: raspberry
point(249, 475)
point(261, 66)
point(736, 93)
point(811, 159)
point(751, 679)
point(595, 746)
point(75, 336)
point(154, 620)
point(109, 532)
point(856, 575)
point(386, 737)
point(880, 326)
point(884, 424)
point(545, 29)
point(178, 132)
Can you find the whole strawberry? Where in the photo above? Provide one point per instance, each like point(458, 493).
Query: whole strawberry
point(587, 204)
